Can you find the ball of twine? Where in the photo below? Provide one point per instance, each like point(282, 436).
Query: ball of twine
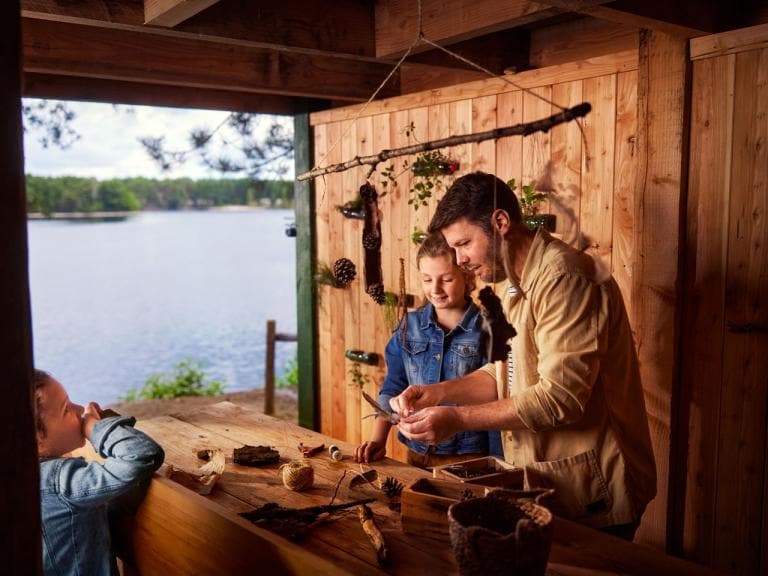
point(298, 475)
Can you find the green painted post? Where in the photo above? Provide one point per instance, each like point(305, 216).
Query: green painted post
point(306, 313)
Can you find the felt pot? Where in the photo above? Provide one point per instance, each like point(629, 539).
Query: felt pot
point(500, 534)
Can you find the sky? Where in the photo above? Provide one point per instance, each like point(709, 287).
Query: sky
point(109, 145)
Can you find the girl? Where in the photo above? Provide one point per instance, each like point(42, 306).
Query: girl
point(75, 495)
point(440, 342)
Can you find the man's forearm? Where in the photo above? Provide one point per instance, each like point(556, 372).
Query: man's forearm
point(477, 387)
point(497, 415)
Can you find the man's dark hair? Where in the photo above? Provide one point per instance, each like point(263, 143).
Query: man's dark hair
point(475, 197)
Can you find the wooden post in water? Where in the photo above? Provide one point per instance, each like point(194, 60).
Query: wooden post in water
point(269, 370)
point(269, 365)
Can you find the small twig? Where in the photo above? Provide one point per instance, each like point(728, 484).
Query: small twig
point(370, 528)
point(542, 125)
point(336, 490)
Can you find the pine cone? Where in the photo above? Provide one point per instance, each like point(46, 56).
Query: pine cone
point(391, 487)
point(344, 271)
point(371, 241)
point(376, 291)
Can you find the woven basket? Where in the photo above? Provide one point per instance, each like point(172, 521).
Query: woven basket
point(500, 534)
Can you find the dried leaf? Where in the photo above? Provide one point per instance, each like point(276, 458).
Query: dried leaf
point(362, 478)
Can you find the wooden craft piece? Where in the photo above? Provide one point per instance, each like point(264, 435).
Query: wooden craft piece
point(256, 455)
point(374, 278)
point(496, 330)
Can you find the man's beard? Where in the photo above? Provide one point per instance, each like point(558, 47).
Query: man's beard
point(494, 259)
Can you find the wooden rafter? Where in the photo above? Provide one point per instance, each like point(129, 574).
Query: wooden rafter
point(157, 57)
point(170, 13)
point(448, 22)
point(341, 27)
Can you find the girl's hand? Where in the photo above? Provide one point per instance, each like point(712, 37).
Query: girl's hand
point(370, 451)
point(91, 415)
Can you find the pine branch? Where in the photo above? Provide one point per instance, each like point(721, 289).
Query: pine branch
point(543, 125)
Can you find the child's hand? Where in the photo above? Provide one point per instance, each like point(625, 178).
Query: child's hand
point(91, 415)
point(370, 451)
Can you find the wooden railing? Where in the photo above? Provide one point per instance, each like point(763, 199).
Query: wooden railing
point(269, 365)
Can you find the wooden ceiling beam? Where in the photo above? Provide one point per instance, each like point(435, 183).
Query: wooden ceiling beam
point(170, 13)
point(677, 19)
point(152, 57)
point(141, 94)
point(447, 22)
point(339, 27)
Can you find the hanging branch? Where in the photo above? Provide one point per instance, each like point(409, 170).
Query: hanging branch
point(543, 125)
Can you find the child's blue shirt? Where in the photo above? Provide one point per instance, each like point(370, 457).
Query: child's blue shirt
point(428, 355)
point(75, 497)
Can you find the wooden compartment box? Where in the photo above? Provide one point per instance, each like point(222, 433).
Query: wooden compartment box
point(425, 503)
point(487, 471)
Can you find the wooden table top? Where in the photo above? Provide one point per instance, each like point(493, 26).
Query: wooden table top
point(576, 550)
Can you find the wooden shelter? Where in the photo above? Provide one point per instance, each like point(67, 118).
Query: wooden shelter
point(669, 180)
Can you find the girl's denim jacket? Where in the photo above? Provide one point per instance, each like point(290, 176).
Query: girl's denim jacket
point(76, 497)
point(428, 355)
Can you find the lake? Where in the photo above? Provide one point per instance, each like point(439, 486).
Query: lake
point(115, 302)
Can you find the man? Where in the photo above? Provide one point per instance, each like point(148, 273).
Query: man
point(569, 400)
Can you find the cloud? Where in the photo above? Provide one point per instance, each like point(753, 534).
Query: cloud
point(109, 144)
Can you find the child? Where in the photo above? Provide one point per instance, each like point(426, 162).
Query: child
point(441, 343)
point(75, 495)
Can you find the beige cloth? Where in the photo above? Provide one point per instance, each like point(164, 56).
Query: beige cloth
point(577, 389)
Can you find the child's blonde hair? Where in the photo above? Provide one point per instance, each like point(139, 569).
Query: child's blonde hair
point(435, 246)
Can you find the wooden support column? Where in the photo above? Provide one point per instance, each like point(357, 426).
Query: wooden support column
point(20, 493)
point(662, 142)
point(306, 313)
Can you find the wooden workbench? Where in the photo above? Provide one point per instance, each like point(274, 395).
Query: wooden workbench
point(338, 546)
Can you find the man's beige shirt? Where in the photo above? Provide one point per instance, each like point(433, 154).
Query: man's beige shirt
point(576, 386)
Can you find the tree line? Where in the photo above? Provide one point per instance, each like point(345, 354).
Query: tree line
point(47, 195)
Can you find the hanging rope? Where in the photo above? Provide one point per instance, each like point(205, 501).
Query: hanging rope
point(519, 129)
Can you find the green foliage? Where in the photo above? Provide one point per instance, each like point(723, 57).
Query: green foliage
point(359, 379)
point(427, 168)
point(187, 379)
point(418, 236)
point(290, 378)
point(529, 198)
point(72, 194)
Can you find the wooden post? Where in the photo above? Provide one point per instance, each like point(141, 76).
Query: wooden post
point(269, 370)
point(663, 102)
point(19, 492)
point(306, 310)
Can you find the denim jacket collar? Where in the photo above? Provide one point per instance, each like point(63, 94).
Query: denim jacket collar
point(427, 317)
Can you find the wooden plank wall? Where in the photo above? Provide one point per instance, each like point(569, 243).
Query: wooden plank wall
point(594, 195)
point(592, 175)
point(724, 370)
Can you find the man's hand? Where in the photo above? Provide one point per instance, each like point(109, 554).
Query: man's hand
point(415, 397)
point(370, 451)
point(431, 425)
point(91, 415)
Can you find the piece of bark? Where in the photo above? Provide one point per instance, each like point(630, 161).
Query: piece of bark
point(255, 455)
point(309, 451)
point(368, 523)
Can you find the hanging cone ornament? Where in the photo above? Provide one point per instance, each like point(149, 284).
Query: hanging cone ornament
point(344, 271)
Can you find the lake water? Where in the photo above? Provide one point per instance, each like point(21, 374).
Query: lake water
point(115, 302)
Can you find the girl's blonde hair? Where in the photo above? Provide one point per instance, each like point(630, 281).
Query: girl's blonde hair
point(435, 246)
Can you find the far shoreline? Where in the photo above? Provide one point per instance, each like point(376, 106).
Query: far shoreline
point(122, 215)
